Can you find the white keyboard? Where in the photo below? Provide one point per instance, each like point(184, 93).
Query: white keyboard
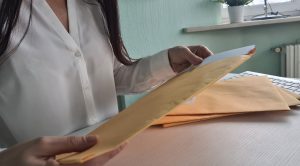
point(290, 84)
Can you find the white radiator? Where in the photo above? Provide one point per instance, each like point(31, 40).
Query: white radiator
point(291, 61)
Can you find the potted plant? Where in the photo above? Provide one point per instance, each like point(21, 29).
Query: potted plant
point(236, 9)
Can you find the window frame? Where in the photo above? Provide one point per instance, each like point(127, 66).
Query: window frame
point(287, 8)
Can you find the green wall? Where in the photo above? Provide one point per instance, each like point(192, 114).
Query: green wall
point(149, 26)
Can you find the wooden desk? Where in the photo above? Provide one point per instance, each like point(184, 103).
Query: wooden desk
point(264, 139)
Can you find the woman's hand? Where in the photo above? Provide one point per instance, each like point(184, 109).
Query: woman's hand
point(42, 151)
point(181, 57)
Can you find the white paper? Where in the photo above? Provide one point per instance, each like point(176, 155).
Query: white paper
point(228, 54)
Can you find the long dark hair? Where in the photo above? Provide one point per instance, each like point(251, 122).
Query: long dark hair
point(9, 14)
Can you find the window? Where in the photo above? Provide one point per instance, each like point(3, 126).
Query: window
point(284, 7)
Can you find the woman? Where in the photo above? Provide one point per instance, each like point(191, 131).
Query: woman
point(62, 64)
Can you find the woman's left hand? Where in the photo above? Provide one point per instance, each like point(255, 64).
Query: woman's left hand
point(181, 57)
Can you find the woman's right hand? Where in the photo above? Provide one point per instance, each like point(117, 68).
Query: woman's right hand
point(42, 151)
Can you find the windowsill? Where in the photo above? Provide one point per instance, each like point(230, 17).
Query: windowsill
point(241, 25)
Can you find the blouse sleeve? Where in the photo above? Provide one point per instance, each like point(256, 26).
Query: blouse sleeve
point(143, 75)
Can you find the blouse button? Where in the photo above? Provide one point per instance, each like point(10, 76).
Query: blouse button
point(77, 54)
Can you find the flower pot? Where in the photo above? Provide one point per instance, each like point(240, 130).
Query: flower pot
point(236, 14)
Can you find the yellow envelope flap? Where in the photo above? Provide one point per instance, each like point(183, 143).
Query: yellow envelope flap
point(178, 123)
point(182, 123)
point(186, 118)
point(289, 97)
point(295, 95)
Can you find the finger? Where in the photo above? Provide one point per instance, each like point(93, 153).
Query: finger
point(201, 51)
point(181, 67)
point(49, 146)
point(191, 57)
point(51, 162)
point(252, 51)
point(106, 157)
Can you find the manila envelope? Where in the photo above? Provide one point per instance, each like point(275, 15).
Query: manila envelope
point(153, 106)
point(247, 94)
point(169, 121)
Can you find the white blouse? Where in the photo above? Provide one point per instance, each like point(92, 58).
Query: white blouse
point(57, 82)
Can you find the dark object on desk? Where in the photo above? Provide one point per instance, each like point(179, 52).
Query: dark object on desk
point(268, 15)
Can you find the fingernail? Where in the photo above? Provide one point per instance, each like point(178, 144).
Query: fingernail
point(92, 139)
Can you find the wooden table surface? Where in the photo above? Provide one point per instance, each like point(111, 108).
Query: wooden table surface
point(264, 139)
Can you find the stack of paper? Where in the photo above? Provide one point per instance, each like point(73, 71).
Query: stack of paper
point(231, 97)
